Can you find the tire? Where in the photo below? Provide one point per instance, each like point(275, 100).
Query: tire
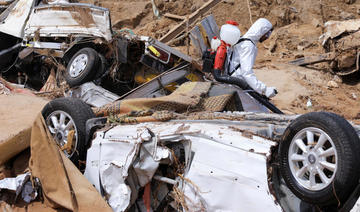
point(82, 67)
point(73, 110)
point(331, 162)
point(101, 70)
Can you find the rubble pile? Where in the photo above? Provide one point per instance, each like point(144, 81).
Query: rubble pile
point(126, 118)
point(298, 27)
point(289, 17)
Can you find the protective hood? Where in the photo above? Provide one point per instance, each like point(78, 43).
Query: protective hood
point(258, 29)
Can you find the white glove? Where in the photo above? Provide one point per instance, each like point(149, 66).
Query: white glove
point(270, 92)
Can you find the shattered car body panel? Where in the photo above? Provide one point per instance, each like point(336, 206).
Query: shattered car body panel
point(62, 20)
point(336, 28)
point(13, 20)
point(55, 31)
point(112, 164)
point(341, 42)
point(93, 95)
point(225, 167)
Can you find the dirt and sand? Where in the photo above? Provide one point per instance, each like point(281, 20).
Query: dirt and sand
point(18, 112)
point(298, 25)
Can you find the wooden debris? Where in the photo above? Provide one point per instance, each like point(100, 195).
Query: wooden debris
point(50, 84)
point(177, 17)
point(180, 28)
point(314, 59)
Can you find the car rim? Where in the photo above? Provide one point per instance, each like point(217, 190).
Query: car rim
point(78, 65)
point(60, 124)
point(313, 159)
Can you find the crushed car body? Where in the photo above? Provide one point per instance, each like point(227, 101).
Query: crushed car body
point(340, 42)
point(183, 151)
point(77, 42)
point(166, 144)
point(223, 169)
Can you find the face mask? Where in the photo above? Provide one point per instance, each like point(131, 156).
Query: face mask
point(267, 35)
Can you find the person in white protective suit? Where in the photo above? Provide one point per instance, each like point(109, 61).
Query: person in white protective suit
point(241, 57)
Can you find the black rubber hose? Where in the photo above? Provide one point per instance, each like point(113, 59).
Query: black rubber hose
point(243, 85)
point(265, 101)
point(230, 80)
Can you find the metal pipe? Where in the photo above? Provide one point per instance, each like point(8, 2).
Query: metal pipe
point(16, 46)
point(165, 180)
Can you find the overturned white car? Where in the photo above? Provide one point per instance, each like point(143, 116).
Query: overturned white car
point(180, 154)
point(225, 165)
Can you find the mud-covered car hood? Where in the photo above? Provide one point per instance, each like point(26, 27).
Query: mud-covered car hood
point(24, 19)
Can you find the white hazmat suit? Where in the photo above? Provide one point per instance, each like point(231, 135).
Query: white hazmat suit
point(244, 54)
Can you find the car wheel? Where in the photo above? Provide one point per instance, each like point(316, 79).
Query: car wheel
point(66, 120)
point(319, 158)
point(82, 67)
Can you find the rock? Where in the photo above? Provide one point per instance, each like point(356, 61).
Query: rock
point(353, 96)
point(309, 104)
point(337, 79)
point(347, 60)
point(231, 2)
point(300, 48)
point(346, 16)
point(332, 84)
point(293, 9)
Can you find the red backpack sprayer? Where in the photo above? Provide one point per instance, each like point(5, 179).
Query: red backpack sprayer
point(213, 61)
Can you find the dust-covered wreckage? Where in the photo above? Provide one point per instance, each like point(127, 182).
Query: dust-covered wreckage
point(198, 146)
point(176, 153)
point(341, 45)
point(75, 43)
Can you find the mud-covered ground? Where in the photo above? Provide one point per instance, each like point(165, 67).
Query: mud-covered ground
point(298, 26)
